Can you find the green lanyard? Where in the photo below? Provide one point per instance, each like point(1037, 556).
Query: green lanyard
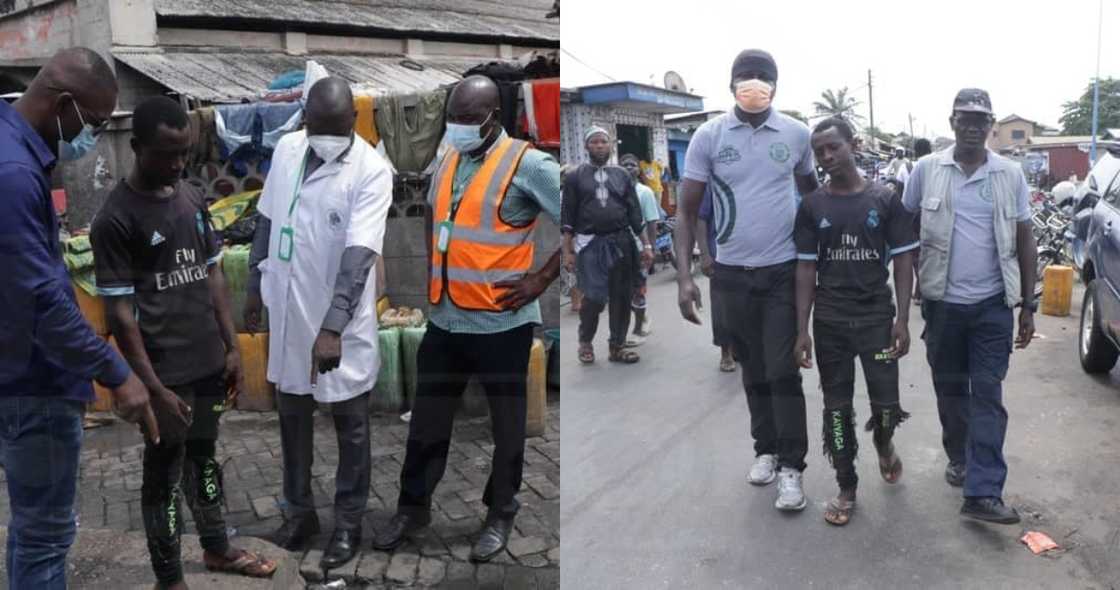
point(287, 233)
point(299, 186)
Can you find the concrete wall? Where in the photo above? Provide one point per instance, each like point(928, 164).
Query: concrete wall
point(35, 34)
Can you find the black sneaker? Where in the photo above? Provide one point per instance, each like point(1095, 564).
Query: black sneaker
point(989, 510)
point(954, 474)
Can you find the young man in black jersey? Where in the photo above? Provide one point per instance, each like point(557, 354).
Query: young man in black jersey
point(846, 232)
point(156, 264)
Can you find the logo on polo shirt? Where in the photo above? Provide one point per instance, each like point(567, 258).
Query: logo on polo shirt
point(779, 152)
point(728, 154)
point(157, 238)
point(873, 218)
point(986, 191)
point(825, 224)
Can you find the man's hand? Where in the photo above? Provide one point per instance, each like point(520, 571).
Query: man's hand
point(233, 376)
point(252, 313)
point(687, 294)
point(174, 414)
point(707, 265)
point(570, 261)
point(647, 256)
point(900, 340)
point(803, 351)
point(132, 403)
point(326, 354)
point(1026, 328)
point(521, 292)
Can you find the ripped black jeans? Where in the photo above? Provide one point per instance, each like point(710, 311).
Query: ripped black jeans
point(185, 467)
point(837, 346)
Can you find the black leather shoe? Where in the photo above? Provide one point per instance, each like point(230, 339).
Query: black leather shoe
point(399, 528)
point(989, 510)
point(342, 548)
point(493, 539)
point(294, 534)
point(954, 474)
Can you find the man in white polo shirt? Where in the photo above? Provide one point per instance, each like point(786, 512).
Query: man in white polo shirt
point(757, 161)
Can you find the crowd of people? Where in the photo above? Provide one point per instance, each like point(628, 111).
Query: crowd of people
point(323, 212)
point(799, 268)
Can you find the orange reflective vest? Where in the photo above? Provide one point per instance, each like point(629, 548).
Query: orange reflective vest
point(483, 249)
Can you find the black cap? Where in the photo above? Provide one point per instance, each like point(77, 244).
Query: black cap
point(754, 60)
point(973, 100)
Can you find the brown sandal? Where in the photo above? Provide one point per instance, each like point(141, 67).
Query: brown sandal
point(621, 355)
point(891, 472)
point(586, 354)
point(839, 512)
point(247, 564)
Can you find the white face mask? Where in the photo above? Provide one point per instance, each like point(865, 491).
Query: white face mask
point(329, 147)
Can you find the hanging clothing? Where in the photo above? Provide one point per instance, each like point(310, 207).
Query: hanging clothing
point(342, 203)
point(411, 127)
point(508, 77)
point(204, 139)
point(542, 111)
point(364, 124)
point(260, 124)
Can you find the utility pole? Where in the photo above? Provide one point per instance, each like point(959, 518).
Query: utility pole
point(871, 108)
point(1096, 89)
point(911, 117)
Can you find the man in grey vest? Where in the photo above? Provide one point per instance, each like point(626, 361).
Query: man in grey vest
point(977, 264)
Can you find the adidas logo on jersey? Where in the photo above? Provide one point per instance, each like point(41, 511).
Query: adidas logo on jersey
point(825, 224)
point(157, 238)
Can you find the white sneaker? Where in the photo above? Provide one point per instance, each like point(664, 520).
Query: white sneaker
point(790, 496)
point(762, 472)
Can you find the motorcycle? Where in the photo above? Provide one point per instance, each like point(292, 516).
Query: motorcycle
point(1054, 237)
point(664, 249)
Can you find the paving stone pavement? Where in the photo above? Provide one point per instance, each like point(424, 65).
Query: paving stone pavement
point(249, 449)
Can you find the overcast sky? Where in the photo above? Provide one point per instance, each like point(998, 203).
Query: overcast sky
point(1031, 56)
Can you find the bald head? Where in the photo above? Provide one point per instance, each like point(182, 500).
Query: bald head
point(75, 88)
point(330, 108)
point(473, 100)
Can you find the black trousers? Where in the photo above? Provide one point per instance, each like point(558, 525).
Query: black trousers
point(621, 287)
point(760, 322)
point(446, 362)
point(838, 343)
point(351, 426)
point(186, 464)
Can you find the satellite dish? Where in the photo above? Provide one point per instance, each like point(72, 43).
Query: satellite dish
point(674, 82)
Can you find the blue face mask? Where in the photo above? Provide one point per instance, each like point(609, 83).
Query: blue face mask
point(466, 138)
point(68, 151)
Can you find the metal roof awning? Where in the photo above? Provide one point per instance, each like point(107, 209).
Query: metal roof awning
point(641, 97)
point(227, 76)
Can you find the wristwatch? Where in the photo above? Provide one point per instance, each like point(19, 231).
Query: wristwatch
point(647, 247)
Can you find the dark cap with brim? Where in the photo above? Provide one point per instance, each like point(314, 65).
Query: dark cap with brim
point(754, 60)
point(973, 100)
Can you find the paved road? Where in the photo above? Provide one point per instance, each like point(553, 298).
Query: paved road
point(109, 508)
point(656, 454)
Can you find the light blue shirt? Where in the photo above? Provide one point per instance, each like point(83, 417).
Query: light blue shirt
point(651, 211)
point(974, 271)
point(535, 188)
point(751, 173)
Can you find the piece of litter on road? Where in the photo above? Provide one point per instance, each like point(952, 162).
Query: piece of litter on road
point(1038, 542)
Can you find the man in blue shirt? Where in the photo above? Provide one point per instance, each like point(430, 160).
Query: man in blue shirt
point(50, 352)
point(756, 161)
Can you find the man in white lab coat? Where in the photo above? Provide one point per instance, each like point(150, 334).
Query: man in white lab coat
point(320, 232)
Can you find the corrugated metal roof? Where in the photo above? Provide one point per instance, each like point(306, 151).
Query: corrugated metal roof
point(515, 19)
point(1061, 139)
point(222, 76)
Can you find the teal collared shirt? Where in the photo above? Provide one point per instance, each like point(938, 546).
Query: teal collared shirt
point(535, 189)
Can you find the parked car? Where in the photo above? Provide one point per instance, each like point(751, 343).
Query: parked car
point(1095, 242)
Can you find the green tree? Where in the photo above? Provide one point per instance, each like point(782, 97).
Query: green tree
point(838, 104)
point(797, 115)
point(1077, 116)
